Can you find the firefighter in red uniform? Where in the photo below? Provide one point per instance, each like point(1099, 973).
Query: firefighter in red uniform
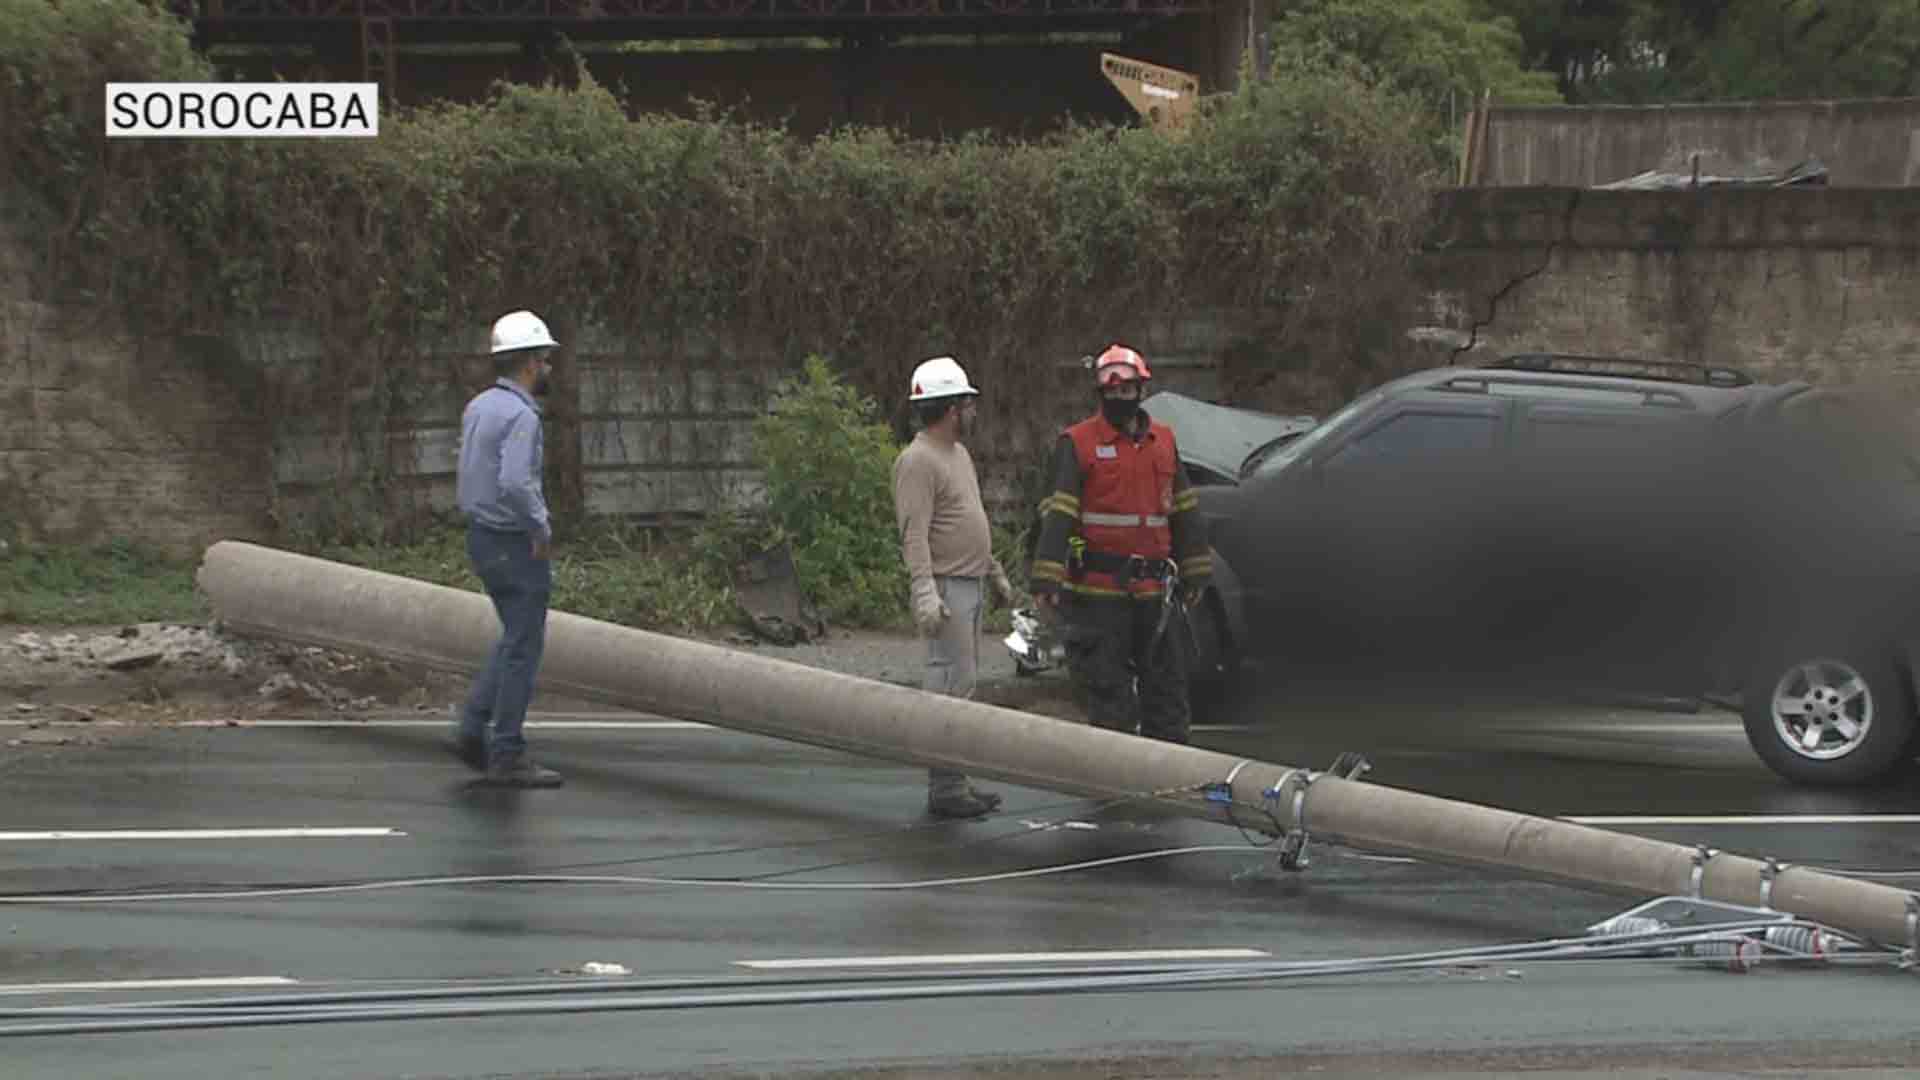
point(1119, 528)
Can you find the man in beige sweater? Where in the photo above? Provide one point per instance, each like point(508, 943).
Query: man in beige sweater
point(948, 547)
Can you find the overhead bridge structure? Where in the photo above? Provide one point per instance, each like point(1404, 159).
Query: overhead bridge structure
point(376, 40)
point(479, 20)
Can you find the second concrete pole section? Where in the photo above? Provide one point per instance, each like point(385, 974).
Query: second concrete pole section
point(260, 590)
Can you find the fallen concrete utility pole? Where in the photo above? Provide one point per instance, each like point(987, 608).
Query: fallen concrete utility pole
point(259, 590)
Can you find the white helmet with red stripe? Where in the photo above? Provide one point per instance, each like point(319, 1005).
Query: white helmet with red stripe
point(1120, 364)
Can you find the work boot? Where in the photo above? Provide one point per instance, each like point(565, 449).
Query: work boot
point(520, 771)
point(966, 802)
point(471, 749)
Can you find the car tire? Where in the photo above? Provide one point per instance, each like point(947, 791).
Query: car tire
point(1841, 718)
point(1217, 668)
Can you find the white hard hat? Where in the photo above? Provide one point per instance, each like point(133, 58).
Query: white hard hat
point(937, 378)
point(521, 330)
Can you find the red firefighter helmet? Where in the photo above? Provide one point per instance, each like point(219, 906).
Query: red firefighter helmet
point(1120, 364)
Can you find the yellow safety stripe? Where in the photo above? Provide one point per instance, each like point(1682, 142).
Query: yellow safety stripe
point(1198, 564)
point(1047, 570)
point(1061, 503)
point(1185, 501)
point(1153, 589)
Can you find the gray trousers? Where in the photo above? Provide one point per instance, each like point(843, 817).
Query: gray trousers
point(953, 658)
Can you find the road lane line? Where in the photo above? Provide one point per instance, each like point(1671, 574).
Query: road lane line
point(198, 834)
point(148, 984)
point(548, 725)
point(1003, 958)
point(1757, 819)
point(367, 723)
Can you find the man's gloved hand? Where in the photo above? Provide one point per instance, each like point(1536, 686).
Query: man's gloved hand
point(928, 610)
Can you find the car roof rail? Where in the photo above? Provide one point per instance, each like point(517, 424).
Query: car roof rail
point(1622, 367)
point(1480, 384)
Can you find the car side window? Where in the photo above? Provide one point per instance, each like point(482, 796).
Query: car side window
point(1587, 432)
point(1421, 439)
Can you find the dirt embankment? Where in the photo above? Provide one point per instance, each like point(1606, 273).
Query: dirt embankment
point(72, 685)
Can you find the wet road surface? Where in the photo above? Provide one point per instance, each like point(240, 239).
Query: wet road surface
point(769, 866)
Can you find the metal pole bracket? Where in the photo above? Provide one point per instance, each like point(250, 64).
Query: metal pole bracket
point(1293, 850)
point(1768, 872)
point(1910, 957)
point(1702, 855)
point(1350, 765)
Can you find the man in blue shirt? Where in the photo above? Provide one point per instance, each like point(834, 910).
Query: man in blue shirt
point(509, 539)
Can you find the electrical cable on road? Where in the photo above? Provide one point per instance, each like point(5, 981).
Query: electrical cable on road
point(112, 897)
point(218, 891)
point(1713, 943)
point(1096, 806)
point(759, 881)
point(1027, 829)
point(1469, 956)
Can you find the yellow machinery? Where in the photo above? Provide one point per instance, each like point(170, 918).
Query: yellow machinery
point(1165, 97)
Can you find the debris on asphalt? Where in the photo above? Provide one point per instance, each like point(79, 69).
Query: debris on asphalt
point(142, 645)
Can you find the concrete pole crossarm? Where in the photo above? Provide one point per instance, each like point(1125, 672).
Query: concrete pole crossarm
point(298, 598)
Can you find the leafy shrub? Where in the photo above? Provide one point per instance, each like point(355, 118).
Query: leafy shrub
point(1296, 204)
point(828, 461)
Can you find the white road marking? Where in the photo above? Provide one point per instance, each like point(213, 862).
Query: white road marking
point(442, 723)
point(548, 725)
point(198, 834)
point(147, 984)
point(1004, 958)
point(1757, 819)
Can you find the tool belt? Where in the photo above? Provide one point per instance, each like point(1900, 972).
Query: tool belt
point(1126, 569)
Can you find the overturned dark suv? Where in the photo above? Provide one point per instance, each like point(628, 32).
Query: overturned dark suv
point(1550, 523)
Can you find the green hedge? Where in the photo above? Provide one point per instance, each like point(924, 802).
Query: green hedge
point(1298, 204)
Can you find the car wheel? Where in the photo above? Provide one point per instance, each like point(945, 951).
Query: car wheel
point(1830, 719)
point(1217, 665)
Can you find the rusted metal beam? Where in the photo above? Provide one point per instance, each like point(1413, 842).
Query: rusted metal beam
point(600, 12)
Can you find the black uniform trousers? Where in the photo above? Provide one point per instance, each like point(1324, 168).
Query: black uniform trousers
point(1110, 649)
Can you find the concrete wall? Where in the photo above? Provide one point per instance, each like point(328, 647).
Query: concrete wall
point(665, 431)
point(1862, 143)
point(1820, 285)
point(103, 437)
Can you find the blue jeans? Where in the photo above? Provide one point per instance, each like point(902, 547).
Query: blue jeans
point(519, 585)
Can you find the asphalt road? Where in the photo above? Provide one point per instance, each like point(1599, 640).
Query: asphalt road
point(772, 867)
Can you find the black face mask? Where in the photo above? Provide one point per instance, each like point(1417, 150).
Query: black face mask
point(540, 386)
point(1119, 412)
